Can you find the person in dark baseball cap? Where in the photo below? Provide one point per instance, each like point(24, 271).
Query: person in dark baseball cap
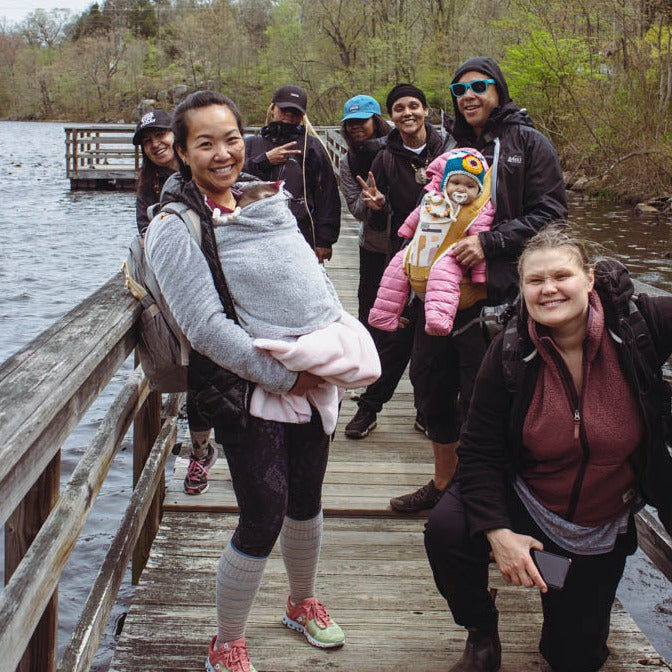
point(153, 119)
point(288, 148)
point(159, 162)
point(290, 96)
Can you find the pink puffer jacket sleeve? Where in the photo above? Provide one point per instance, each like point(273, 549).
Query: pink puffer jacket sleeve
point(392, 296)
point(443, 295)
point(407, 229)
point(483, 222)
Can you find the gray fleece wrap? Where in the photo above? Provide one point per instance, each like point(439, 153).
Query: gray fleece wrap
point(187, 285)
point(278, 288)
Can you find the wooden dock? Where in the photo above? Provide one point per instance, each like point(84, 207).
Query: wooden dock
point(103, 156)
point(374, 576)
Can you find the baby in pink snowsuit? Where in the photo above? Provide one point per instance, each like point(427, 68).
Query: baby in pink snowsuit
point(443, 217)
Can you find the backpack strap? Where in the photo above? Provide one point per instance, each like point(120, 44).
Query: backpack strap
point(513, 358)
point(188, 216)
point(193, 223)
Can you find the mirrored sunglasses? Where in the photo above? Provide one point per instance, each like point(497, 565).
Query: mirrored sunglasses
point(478, 86)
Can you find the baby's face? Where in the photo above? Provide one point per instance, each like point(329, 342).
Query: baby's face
point(256, 193)
point(461, 189)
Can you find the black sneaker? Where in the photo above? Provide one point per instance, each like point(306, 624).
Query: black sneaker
point(423, 498)
point(363, 422)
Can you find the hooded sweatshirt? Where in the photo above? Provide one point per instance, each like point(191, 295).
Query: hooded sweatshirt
point(528, 187)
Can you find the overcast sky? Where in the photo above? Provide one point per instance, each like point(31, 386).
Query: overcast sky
point(14, 11)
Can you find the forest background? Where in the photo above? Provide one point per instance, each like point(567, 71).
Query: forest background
point(595, 75)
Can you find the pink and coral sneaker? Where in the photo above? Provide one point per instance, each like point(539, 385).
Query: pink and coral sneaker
point(196, 480)
point(229, 657)
point(311, 618)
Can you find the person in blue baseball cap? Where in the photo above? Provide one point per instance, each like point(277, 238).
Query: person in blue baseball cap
point(365, 132)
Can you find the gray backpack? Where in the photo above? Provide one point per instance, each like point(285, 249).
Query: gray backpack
point(162, 347)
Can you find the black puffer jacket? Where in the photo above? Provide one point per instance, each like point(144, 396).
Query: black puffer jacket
point(394, 170)
point(321, 197)
point(528, 185)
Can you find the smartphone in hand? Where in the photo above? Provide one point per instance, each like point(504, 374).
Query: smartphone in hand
point(552, 567)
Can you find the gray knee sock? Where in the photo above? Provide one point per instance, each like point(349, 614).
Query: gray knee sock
point(300, 542)
point(238, 580)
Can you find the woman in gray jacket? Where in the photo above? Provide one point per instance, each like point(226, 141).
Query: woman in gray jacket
point(365, 131)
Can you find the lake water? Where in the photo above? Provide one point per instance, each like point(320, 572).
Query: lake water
point(57, 247)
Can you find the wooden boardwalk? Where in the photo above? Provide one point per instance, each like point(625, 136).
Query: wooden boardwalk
point(374, 576)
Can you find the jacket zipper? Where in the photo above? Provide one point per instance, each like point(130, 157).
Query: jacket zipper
point(579, 433)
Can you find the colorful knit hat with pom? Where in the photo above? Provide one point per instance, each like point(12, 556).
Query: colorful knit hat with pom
point(465, 161)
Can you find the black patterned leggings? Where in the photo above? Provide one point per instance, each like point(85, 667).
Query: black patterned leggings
point(277, 469)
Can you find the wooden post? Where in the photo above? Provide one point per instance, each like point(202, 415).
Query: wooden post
point(146, 428)
point(20, 530)
point(75, 153)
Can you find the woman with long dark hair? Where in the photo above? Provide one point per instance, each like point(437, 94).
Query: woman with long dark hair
point(277, 468)
point(159, 162)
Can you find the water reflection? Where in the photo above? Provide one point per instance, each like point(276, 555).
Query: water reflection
point(642, 242)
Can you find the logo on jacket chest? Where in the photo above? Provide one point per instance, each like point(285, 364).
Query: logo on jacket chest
point(514, 160)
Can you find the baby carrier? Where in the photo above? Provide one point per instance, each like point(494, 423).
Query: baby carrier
point(441, 225)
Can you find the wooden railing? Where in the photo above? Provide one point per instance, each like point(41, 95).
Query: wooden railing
point(45, 389)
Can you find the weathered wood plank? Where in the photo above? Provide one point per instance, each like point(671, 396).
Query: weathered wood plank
point(79, 654)
point(46, 387)
point(393, 617)
point(29, 589)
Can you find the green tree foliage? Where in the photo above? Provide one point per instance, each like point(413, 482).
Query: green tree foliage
point(595, 75)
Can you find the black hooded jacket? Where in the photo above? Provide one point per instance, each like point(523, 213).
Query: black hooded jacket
point(528, 187)
point(322, 201)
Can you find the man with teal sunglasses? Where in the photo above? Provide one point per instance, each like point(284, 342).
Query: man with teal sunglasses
point(478, 86)
point(528, 192)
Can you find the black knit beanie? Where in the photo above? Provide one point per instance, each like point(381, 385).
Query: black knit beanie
point(402, 90)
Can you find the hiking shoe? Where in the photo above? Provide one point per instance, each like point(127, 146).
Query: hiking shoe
point(423, 498)
point(196, 480)
point(229, 657)
point(363, 422)
point(311, 618)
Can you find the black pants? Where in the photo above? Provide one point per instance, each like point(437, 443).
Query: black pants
point(198, 421)
point(394, 350)
point(576, 618)
point(443, 371)
point(276, 469)
point(371, 268)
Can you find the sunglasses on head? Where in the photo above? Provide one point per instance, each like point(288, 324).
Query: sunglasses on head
point(478, 86)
